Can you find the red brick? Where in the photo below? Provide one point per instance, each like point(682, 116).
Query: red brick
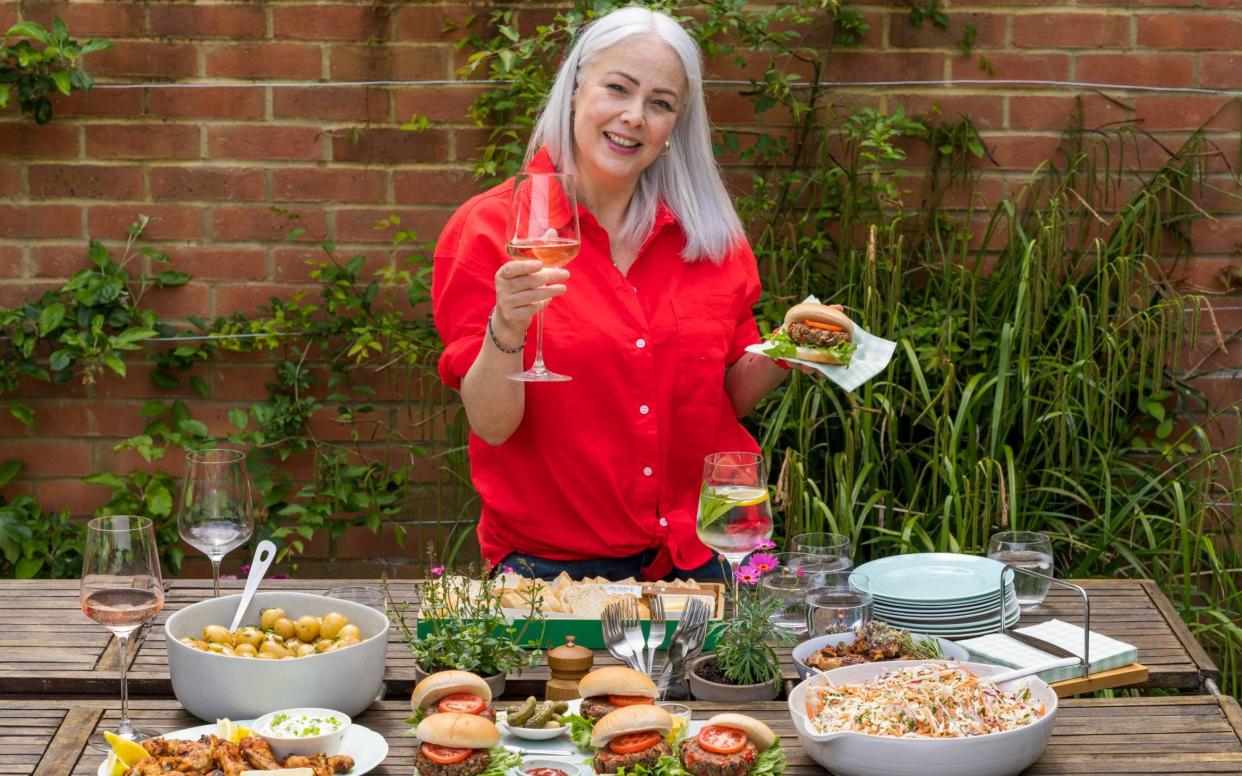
point(1185, 112)
point(753, 64)
point(50, 457)
point(390, 146)
point(1218, 70)
point(328, 185)
point(244, 383)
point(98, 101)
point(439, 186)
point(209, 21)
point(389, 62)
point(1022, 152)
point(207, 183)
point(57, 261)
point(222, 102)
point(260, 223)
point(1045, 112)
point(10, 180)
point(1195, 31)
point(358, 226)
point(17, 294)
point(346, 103)
point(728, 106)
point(249, 298)
point(89, 181)
point(437, 103)
point(286, 61)
point(1145, 70)
point(294, 265)
point(168, 222)
point(11, 264)
point(80, 498)
point(1032, 66)
point(179, 303)
point(985, 111)
point(25, 138)
point(428, 22)
point(160, 59)
point(264, 142)
point(1071, 31)
point(8, 15)
point(331, 22)
point(1221, 390)
point(1222, 235)
point(127, 461)
point(59, 417)
point(40, 221)
point(211, 263)
point(87, 19)
point(142, 141)
point(989, 31)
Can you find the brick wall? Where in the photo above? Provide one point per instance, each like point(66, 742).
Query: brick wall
point(207, 163)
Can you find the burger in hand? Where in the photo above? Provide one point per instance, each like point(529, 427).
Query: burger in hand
point(814, 332)
point(605, 690)
point(733, 745)
point(451, 691)
point(454, 744)
point(631, 737)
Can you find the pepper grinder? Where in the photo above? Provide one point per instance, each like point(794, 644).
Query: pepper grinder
point(568, 663)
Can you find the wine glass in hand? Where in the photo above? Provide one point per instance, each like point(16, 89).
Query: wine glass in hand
point(543, 225)
point(216, 514)
point(121, 588)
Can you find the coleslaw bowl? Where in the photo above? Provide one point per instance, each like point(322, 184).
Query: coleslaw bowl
point(860, 754)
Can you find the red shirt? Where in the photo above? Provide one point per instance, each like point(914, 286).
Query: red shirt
point(608, 464)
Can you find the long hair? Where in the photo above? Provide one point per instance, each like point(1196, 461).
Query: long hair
point(687, 179)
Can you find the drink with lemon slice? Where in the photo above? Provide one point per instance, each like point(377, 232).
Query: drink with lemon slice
point(735, 515)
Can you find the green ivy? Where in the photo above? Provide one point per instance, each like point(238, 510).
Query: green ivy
point(36, 63)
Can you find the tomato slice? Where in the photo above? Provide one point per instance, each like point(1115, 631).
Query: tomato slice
point(462, 703)
point(824, 326)
point(629, 700)
point(634, 742)
point(722, 740)
point(444, 755)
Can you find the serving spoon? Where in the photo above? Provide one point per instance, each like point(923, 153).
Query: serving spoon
point(263, 556)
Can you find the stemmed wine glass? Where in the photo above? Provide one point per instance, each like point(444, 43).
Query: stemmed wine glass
point(121, 588)
point(216, 514)
point(735, 515)
point(543, 225)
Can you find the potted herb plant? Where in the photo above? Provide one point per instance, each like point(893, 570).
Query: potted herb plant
point(745, 665)
point(467, 629)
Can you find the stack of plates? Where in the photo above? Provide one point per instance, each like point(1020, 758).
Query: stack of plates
point(940, 594)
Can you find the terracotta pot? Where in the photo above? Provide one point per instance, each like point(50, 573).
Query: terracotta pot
point(495, 681)
point(706, 690)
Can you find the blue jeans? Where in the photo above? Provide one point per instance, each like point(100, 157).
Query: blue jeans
point(610, 568)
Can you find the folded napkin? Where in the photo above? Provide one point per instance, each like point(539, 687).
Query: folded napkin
point(1106, 653)
point(872, 355)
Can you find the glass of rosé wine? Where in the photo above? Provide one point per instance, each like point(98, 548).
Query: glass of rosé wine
point(735, 514)
point(121, 589)
point(543, 225)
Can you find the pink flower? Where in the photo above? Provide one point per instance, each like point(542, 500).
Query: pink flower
point(766, 544)
point(764, 562)
point(506, 569)
point(747, 575)
point(437, 571)
point(800, 571)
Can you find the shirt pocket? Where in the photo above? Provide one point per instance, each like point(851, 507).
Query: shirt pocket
point(704, 325)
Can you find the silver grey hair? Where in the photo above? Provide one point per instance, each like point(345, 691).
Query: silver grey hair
point(687, 179)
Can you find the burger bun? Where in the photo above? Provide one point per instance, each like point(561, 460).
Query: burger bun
point(819, 313)
point(759, 734)
point(617, 680)
point(462, 731)
point(442, 683)
point(630, 719)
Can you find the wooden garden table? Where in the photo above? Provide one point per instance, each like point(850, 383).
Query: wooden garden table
point(48, 647)
point(1175, 735)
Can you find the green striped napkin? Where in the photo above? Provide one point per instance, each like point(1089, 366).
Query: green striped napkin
point(998, 649)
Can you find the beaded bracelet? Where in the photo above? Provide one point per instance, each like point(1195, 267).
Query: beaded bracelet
point(492, 333)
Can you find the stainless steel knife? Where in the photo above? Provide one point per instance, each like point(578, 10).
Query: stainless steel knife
point(1040, 644)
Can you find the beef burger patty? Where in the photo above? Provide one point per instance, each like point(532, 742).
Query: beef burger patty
point(701, 762)
point(607, 761)
point(802, 334)
point(473, 765)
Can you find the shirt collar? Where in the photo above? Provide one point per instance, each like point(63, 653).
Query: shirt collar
point(542, 162)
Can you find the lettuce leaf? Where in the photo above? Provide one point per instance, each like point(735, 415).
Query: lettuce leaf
point(771, 762)
point(667, 766)
point(580, 729)
point(502, 762)
point(783, 347)
point(416, 717)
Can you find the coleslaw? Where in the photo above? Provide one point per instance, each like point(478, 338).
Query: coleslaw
point(932, 700)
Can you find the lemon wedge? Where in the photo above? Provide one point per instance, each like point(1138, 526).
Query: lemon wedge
point(114, 766)
point(232, 732)
point(128, 752)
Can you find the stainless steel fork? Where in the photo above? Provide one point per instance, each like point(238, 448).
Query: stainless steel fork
point(632, 623)
point(614, 635)
point(656, 636)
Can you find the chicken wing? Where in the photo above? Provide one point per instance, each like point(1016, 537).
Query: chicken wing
point(228, 757)
point(258, 753)
point(152, 766)
point(321, 764)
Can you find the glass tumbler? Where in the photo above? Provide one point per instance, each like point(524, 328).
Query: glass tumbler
point(842, 604)
point(1025, 550)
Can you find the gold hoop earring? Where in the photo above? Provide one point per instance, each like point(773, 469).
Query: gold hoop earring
point(667, 147)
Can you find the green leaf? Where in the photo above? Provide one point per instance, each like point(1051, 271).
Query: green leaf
point(27, 568)
point(115, 364)
point(199, 386)
point(51, 317)
point(61, 359)
point(24, 414)
point(28, 30)
point(61, 78)
point(9, 470)
point(106, 479)
point(158, 499)
point(238, 418)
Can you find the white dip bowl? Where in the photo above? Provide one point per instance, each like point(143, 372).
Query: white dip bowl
point(284, 744)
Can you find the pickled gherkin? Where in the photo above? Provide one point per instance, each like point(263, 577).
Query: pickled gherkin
point(519, 714)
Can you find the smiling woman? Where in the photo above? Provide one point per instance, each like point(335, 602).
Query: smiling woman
point(599, 476)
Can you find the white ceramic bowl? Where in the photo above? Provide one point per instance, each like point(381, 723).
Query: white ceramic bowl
point(532, 734)
point(211, 686)
point(811, 646)
point(565, 765)
point(858, 754)
point(285, 745)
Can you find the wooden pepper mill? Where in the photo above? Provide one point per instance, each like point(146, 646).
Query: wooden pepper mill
point(568, 663)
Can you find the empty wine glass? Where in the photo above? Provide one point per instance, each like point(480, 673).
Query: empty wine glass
point(121, 589)
point(543, 225)
point(216, 514)
point(832, 548)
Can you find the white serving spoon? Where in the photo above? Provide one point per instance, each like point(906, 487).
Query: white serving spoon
point(263, 556)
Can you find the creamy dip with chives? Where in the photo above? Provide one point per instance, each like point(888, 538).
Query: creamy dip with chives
point(302, 725)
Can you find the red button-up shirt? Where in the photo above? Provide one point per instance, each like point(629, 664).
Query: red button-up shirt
point(608, 464)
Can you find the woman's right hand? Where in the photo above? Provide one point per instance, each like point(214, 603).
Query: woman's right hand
point(524, 287)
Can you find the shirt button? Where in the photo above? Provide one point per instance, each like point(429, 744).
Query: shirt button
point(636, 289)
point(640, 343)
point(644, 409)
point(664, 522)
point(646, 471)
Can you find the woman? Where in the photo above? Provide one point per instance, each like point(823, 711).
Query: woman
point(600, 476)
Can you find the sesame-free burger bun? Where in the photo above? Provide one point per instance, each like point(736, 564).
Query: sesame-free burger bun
point(819, 313)
point(617, 680)
point(759, 734)
point(630, 719)
point(462, 731)
point(443, 683)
